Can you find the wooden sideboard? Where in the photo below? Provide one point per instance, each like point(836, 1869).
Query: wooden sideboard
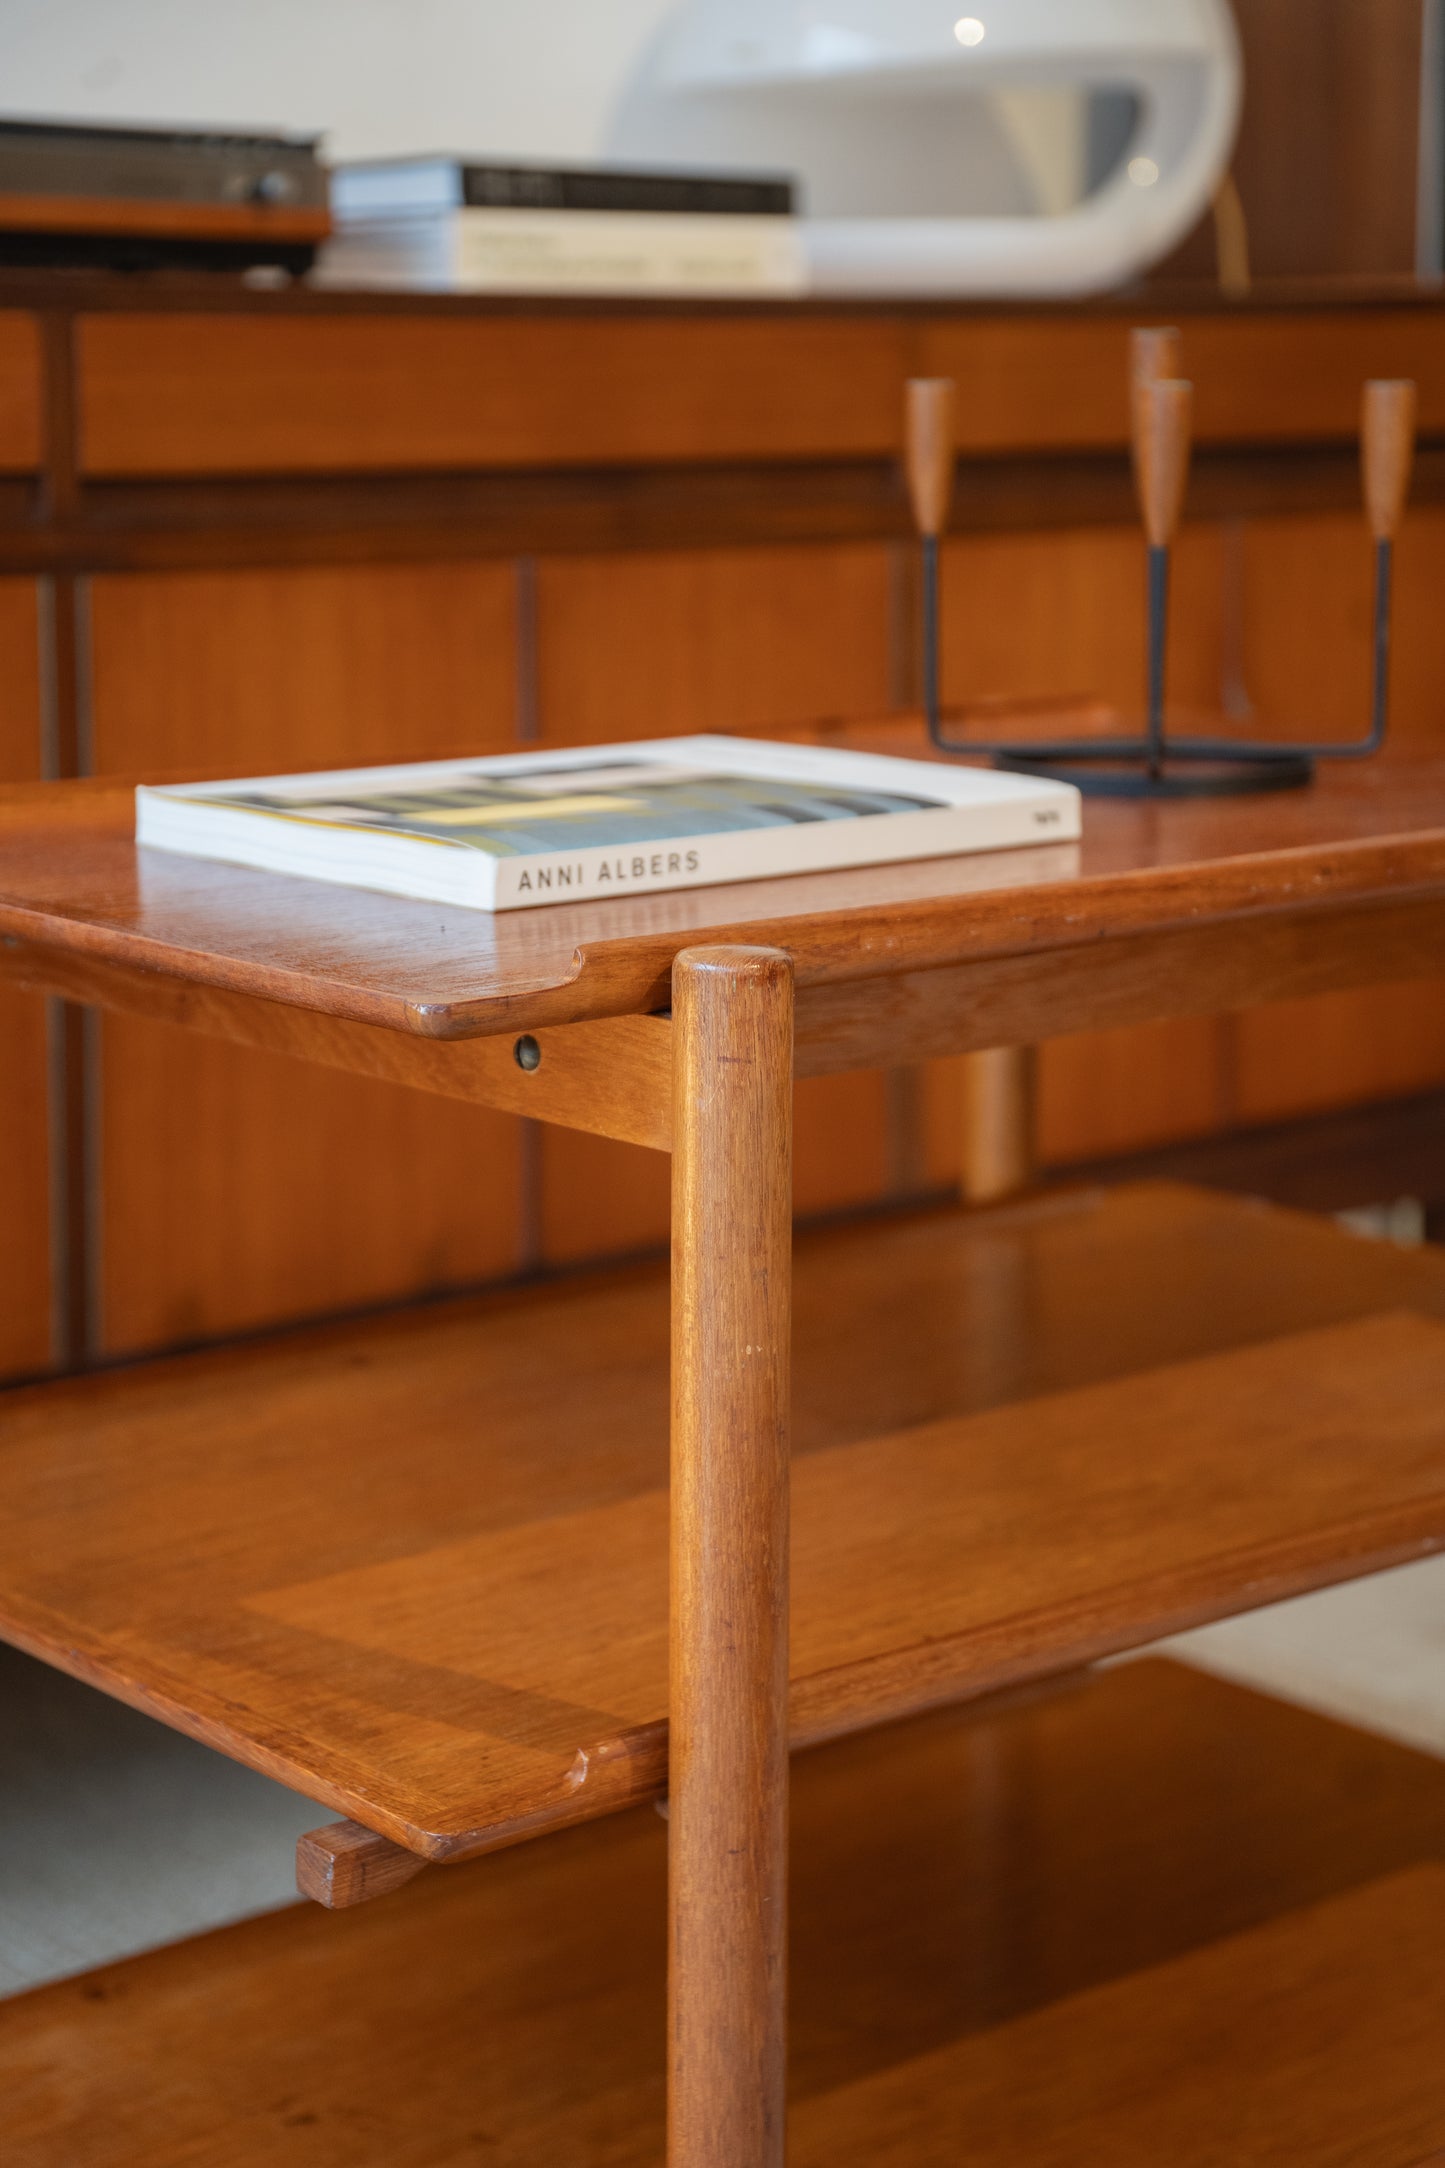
point(242, 531)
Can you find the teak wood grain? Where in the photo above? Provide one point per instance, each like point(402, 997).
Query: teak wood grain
point(736, 640)
point(71, 878)
point(1310, 2040)
point(330, 376)
point(613, 1077)
point(984, 1490)
point(306, 665)
point(28, 1334)
point(1190, 971)
point(1060, 617)
point(20, 393)
point(1163, 416)
point(246, 394)
point(191, 392)
point(1250, 381)
point(1330, 181)
point(344, 1865)
point(1339, 1050)
point(251, 1213)
point(1387, 449)
point(999, 1110)
point(728, 1600)
point(953, 1875)
point(929, 451)
point(353, 517)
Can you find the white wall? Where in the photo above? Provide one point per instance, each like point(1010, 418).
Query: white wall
point(520, 77)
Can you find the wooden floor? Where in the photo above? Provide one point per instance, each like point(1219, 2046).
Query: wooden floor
point(417, 1570)
point(1151, 1919)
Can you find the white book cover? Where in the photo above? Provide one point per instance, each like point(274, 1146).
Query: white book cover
point(395, 188)
point(523, 251)
point(512, 830)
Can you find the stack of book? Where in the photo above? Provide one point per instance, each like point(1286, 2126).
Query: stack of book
point(446, 224)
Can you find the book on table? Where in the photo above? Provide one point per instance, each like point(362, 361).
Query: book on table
point(490, 227)
point(511, 830)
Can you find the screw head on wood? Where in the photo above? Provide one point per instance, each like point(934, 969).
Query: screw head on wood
point(527, 1053)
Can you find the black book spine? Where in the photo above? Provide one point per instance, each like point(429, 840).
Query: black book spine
point(538, 188)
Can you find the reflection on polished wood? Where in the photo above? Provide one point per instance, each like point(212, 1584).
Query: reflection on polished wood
point(952, 1875)
point(419, 1571)
point(1312, 2040)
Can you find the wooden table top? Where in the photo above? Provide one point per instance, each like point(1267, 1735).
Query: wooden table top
point(71, 879)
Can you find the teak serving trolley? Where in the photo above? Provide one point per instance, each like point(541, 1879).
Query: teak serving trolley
point(442, 1605)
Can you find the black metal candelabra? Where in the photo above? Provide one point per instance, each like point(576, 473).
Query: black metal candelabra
point(1159, 764)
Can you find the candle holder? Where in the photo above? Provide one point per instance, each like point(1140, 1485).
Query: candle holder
point(1159, 764)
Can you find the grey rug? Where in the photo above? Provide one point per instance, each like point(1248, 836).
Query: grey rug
point(117, 1834)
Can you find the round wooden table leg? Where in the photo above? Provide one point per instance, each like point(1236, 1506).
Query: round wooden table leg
point(728, 1774)
point(999, 1095)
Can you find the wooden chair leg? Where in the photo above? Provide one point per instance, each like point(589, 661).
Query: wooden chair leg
point(728, 1763)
